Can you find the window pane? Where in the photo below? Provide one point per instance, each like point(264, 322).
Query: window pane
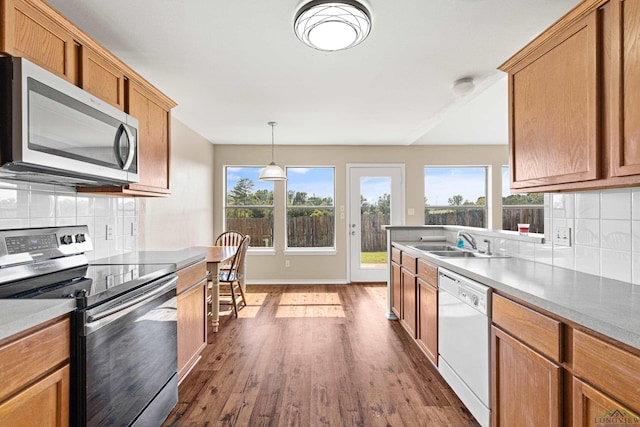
point(525, 208)
point(456, 196)
point(375, 211)
point(249, 205)
point(310, 208)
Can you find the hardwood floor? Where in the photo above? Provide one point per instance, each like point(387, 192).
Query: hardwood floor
point(322, 355)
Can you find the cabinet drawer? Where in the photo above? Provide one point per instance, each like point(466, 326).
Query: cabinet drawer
point(396, 255)
point(537, 330)
point(409, 262)
point(615, 371)
point(34, 355)
point(191, 275)
point(428, 272)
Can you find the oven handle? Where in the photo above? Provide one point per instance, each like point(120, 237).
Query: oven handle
point(138, 301)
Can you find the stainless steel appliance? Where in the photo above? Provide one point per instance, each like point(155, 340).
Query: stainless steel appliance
point(53, 131)
point(124, 337)
point(463, 340)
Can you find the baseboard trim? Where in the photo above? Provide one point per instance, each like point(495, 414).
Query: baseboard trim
point(299, 282)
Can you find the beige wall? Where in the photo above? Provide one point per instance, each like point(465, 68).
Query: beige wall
point(185, 218)
point(333, 268)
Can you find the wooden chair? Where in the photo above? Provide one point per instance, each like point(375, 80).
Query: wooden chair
point(229, 238)
point(233, 277)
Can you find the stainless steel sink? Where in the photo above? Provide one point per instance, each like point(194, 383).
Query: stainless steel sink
point(465, 254)
point(431, 248)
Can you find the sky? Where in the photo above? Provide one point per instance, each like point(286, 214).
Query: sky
point(313, 181)
point(440, 183)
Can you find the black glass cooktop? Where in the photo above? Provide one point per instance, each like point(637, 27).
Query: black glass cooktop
point(88, 284)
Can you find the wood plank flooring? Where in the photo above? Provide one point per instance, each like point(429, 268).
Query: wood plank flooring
point(322, 355)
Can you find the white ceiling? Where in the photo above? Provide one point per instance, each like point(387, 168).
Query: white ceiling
point(232, 66)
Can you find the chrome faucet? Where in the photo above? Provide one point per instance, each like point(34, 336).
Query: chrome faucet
point(469, 238)
point(488, 242)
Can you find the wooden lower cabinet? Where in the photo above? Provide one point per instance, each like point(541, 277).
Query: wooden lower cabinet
point(409, 314)
point(35, 376)
point(192, 316)
point(43, 404)
point(593, 408)
point(526, 386)
point(396, 290)
point(427, 333)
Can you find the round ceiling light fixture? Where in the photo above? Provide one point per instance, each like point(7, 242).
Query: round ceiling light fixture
point(332, 25)
point(464, 86)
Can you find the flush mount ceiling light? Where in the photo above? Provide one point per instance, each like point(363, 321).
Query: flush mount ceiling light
point(332, 25)
point(463, 86)
point(272, 172)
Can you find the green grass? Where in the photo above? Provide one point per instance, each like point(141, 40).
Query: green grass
point(373, 257)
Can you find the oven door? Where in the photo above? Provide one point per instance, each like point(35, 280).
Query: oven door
point(127, 356)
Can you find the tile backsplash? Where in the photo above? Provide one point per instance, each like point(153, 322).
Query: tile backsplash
point(112, 221)
point(605, 233)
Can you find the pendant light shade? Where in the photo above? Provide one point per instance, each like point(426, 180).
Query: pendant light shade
point(332, 25)
point(272, 172)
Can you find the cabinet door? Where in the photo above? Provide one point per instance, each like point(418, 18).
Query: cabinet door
point(525, 386)
point(554, 110)
point(625, 66)
point(30, 33)
point(102, 78)
point(428, 320)
point(153, 137)
point(408, 318)
point(396, 290)
point(192, 326)
point(591, 408)
point(43, 404)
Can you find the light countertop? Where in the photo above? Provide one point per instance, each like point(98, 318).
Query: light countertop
point(607, 306)
point(17, 315)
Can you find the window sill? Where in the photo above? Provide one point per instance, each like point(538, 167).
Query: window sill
point(261, 251)
point(310, 251)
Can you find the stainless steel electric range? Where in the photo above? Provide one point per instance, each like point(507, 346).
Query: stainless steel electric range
point(124, 329)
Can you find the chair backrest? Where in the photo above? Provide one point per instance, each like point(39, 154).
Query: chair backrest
point(237, 265)
point(229, 238)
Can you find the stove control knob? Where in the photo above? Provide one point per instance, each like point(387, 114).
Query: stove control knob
point(66, 239)
point(474, 299)
point(80, 238)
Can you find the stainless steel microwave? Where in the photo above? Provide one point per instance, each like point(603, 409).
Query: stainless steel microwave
point(53, 131)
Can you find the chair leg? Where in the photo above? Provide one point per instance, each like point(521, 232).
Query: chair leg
point(233, 299)
point(244, 301)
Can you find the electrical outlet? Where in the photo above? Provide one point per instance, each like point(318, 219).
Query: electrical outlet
point(341, 215)
point(287, 263)
point(562, 236)
point(109, 232)
point(411, 211)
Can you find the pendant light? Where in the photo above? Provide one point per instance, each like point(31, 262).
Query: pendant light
point(332, 25)
point(272, 172)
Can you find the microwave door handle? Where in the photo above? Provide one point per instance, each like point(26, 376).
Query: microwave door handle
point(124, 163)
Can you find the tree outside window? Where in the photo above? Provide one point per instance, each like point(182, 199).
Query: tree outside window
point(310, 207)
point(249, 205)
point(525, 208)
point(455, 196)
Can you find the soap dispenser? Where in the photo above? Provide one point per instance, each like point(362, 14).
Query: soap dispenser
point(460, 242)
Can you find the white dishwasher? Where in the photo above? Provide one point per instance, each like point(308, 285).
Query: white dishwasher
point(463, 340)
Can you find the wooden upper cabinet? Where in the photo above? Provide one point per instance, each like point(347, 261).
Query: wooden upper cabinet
point(33, 32)
point(554, 109)
point(101, 77)
point(625, 88)
point(154, 154)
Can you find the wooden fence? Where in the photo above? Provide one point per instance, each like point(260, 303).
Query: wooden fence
point(318, 231)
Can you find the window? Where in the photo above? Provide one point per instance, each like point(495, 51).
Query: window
point(310, 207)
point(455, 196)
point(249, 204)
point(525, 208)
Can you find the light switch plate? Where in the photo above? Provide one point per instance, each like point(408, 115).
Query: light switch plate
point(562, 236)
point(411, 211)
